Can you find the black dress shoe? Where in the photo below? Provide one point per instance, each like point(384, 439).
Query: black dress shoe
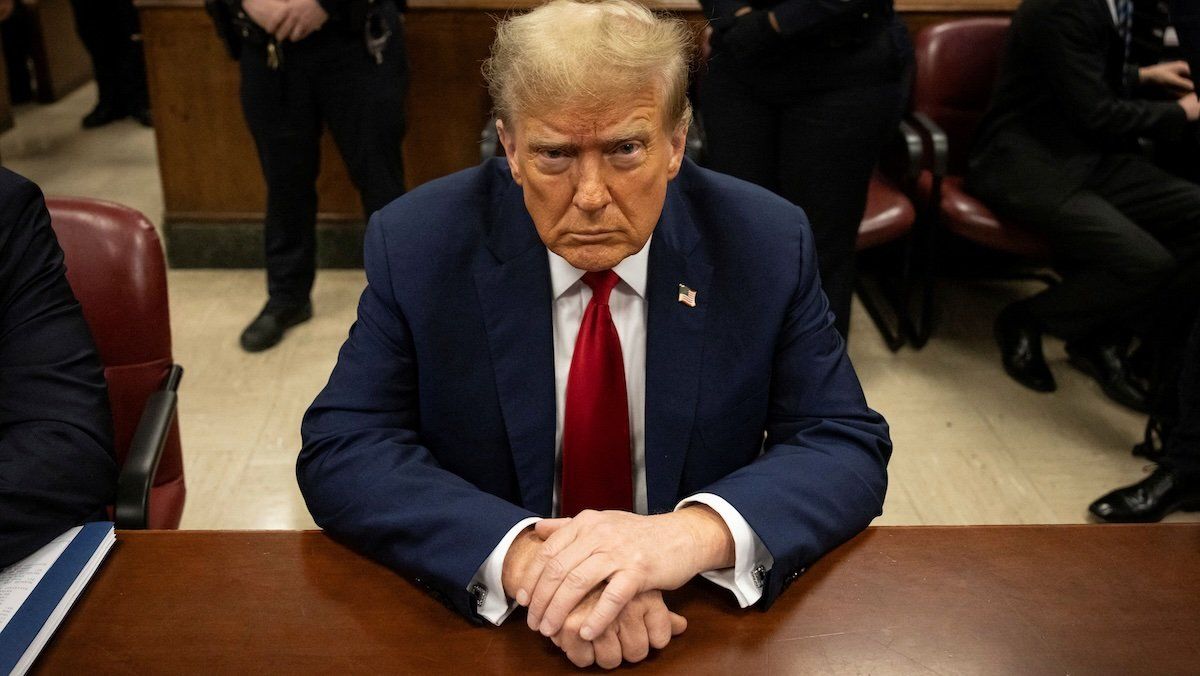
point(1149, 500)
point(1020, 342)
point(143, 117)
point(1106, 365)
point(268, 327)
point(102, 114)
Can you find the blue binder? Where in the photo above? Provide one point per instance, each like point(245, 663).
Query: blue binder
point(29, 619)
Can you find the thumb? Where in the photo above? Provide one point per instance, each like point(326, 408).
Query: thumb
point(678, 623)
point(547, 527)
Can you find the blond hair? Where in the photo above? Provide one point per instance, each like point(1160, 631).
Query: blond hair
point(588, 54)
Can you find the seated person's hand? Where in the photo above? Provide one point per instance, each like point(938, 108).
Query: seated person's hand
point(1190, 106)
point(620, 554)
point(644, 623)
point(1173, 75)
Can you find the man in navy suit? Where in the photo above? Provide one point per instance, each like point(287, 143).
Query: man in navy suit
point(56, 459)
point(598, 330)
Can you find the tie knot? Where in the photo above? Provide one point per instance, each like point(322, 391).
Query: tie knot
point(602, 284)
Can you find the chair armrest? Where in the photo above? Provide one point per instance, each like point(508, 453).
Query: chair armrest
point(132, 510)
point(939, 145)
point(903, 155)
point(489, 141)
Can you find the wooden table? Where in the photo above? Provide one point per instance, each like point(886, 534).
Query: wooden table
point(947, 600)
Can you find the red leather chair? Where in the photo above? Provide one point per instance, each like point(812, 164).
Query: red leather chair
point(889, 216)
point(957, 63)
point(116, 268)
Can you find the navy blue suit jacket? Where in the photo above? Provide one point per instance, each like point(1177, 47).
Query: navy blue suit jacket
point(436, 431)
point(56, 459)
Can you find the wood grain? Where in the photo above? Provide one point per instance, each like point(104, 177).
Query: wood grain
point(978, 600)
point(60, 61)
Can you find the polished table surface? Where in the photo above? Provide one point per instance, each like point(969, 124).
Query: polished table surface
point(946, 600)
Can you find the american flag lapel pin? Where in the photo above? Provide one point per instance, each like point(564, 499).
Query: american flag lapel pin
point(687, 296)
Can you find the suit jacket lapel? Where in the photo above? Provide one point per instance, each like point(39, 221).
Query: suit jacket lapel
point(513, 283)
point(674, 347)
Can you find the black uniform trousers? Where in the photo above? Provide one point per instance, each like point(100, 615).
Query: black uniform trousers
point(1120, 242)
point(329, 78)
point(1181, 448)
point(107, 29)
point(809, 126)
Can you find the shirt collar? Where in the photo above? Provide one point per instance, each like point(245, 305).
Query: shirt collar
point(632, 270)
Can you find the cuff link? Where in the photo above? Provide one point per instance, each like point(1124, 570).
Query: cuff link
point(759, 576)
point(479, 593)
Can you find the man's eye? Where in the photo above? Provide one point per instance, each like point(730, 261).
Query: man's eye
point(553, 154)
point(627, 148)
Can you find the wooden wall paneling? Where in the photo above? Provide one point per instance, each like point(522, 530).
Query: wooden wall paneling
point(208, 163)
point(60, 61)
point(448, 103)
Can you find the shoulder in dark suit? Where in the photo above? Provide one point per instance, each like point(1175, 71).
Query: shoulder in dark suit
point(56, 464)
point(1064, 98)
point(436, 432)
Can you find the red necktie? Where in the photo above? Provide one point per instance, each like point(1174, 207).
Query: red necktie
point(596, 468)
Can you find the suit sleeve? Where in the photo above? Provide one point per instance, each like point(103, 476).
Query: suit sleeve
point(364, 472)
point(56, 464)
point(1071, 47)
point(822, 475)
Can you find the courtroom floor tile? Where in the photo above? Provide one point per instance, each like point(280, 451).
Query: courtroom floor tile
point(971, 445)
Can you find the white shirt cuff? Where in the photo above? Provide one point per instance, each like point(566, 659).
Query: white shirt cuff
point(488, 587)
point(751, 560)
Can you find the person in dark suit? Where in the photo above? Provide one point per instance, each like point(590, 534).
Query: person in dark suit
point(56, 459)
point(109, 30)
point(1175, 483)
point(305, 65)
point(1058, 152)
point(598, 330)
point(799, 97)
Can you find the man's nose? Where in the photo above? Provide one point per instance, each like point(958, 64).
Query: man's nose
point(591, 190)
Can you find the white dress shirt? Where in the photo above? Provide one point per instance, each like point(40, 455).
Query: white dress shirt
point(627, 303)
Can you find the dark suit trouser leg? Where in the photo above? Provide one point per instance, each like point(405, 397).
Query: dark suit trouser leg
point(1118, 242)
point(829, 145)
point(363, 103)
point(815, 148)
point(1181, 450)
point(741, 129)
point(99, 24)
point(282, 115)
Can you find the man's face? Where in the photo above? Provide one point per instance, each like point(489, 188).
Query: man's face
point(595, 182)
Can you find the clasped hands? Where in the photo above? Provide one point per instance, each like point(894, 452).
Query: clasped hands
point(286, 19)
point(592, 584)
point(1175, 77)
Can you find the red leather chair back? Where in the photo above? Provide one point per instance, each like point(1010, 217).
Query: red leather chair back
point(956, 67)
point(116, 268)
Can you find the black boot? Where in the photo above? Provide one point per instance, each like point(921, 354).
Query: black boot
point(1106, 364)
point(1149, 500)
point(268, 327)
point(1020, 340)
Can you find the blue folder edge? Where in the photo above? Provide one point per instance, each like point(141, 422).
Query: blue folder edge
point(45, 597)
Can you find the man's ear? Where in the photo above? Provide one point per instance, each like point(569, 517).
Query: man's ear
point(509, 141)
point(678, 146)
